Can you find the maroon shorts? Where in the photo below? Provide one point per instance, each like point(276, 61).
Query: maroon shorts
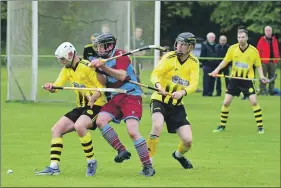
point(123, 107)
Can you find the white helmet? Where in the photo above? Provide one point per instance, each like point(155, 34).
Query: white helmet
point(66, 50)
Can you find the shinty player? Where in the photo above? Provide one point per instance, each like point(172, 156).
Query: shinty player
point(243, 56)
point(177, 73)
point(126, 107)
point(80, 119)
point(89, 53)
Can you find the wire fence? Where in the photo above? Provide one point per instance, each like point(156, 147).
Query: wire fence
point(140, 57)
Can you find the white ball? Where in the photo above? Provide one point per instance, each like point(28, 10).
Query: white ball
point(9, 171)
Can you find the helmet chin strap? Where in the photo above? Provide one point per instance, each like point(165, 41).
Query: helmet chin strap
point(110, 54)
point(70, 65)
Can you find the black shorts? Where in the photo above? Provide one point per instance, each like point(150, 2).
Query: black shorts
point(87, 110)
point(235, 87)
point(174, 116)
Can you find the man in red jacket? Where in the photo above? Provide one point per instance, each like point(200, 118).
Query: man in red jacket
point(268, 49)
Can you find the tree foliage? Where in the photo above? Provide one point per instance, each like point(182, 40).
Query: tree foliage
point(181, 8)
point(225, 16)
point(3, 10)
point(255, 15)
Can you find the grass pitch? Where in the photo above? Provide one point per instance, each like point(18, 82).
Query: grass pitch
point(237, 157)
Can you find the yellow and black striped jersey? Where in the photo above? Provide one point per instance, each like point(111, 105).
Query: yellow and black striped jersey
point(243, 61)
point(174, 76)
point(89, 52)
point(84, 77)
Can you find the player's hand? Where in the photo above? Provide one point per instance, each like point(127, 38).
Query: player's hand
point(92, 99)
point(48, 86)
point(214, 73)
point(263, 79)
point(161, 91)
point(178, 94)
point(96, 63)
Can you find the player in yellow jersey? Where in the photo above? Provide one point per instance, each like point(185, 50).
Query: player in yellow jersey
point(89, 53)
point(80, 119)
point(243, 56)
point(176, 74)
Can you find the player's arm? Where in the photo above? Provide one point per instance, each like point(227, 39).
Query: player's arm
point(60, 81)
point(194, 79)
point(101, 78)
point(259, 68)
point(224, 63)
point(93, 76)
point(159, 71)
point(120, 72)
point(193, 83)
point(221, 66)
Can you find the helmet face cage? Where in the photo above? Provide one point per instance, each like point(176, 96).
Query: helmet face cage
point(189, 42)
point(104, 45)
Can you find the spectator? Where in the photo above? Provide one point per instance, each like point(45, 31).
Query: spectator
point(268, 48)
point(208, 50)
point(221, 50)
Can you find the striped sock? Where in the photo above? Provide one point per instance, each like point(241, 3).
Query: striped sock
point(87, 146)
point(55, 153)
point(224, 115)
point(142, 150)
point(258, 115)
point(112, 138)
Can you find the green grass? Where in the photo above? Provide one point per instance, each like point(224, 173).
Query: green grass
point(237, 157)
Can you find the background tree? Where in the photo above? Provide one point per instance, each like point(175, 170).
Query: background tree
point(255, 15)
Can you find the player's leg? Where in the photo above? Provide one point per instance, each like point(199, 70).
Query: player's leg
point(63, 126)
point(248, 89)
point(87, 121)
point(257, 113)
point(157, 110)
point(232, 90)
point(185, 135)
point(177, 122)
point(140, 145)
point(108, 113)
point(132, 113)
point(224, 112)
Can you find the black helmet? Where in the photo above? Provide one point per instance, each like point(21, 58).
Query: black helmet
point(104, 40)
point(186, 38)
